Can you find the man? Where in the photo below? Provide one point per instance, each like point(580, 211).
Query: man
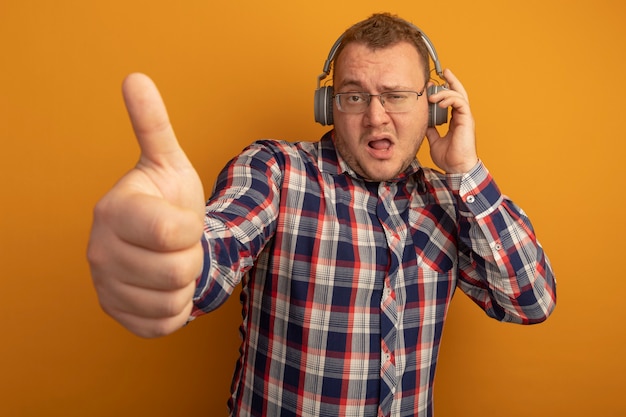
point(347, 250)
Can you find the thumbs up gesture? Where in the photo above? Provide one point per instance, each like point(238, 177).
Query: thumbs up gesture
point(144, 249)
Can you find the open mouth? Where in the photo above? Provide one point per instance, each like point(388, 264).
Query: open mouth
point(380, 145)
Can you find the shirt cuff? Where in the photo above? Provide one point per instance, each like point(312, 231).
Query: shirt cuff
point(476, 191)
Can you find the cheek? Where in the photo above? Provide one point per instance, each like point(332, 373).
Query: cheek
point(347, 129)
point(418, 145)
point(345, 121)
point(413, 126)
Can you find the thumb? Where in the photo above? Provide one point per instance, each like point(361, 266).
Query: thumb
point(151, 123)
point(162, 162)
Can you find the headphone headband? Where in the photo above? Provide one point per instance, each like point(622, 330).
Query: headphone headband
point(331, 55)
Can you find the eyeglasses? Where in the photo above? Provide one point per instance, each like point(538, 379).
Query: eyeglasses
point(392, 101)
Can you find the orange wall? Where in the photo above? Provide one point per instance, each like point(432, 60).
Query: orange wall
point(546, 82)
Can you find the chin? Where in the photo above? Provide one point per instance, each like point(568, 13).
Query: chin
point(381, 173)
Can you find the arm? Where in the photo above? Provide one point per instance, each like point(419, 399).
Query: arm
point(240, 219)
point(502, 266)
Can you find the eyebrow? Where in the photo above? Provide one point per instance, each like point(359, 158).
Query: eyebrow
point(350, 83)
point(359, 86)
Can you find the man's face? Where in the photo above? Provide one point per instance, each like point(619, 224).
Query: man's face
point(379, 145)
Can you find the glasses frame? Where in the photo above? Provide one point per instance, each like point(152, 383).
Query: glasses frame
point(368, 96)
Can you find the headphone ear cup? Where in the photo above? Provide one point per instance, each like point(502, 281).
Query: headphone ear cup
point(323, 105)
point(436, 115)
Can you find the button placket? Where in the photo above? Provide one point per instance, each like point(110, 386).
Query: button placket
point(395, 231)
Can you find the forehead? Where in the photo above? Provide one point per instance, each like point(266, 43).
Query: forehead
point(395, 66)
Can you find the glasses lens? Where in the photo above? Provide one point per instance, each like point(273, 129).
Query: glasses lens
point(398, 101)
point(352, 102)
point(393, 101)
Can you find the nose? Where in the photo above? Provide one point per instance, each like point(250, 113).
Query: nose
point(376, 114)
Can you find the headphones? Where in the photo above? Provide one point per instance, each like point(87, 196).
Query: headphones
point(324, 95)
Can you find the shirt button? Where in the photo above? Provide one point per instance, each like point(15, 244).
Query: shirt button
point(470, 199)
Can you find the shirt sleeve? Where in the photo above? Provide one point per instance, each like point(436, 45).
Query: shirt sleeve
point(240, 219)
point(502, 266)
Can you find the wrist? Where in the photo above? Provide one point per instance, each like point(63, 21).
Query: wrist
point(463, 168)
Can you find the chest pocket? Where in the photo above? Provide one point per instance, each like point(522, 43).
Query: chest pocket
point(434, 237)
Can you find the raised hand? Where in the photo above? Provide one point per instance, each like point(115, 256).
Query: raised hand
point(144, 250)
point(456, 151)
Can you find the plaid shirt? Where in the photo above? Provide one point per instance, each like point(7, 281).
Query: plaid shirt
point(346, 283)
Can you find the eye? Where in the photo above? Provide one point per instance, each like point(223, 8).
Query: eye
point(396, 96)
point(355, 98)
